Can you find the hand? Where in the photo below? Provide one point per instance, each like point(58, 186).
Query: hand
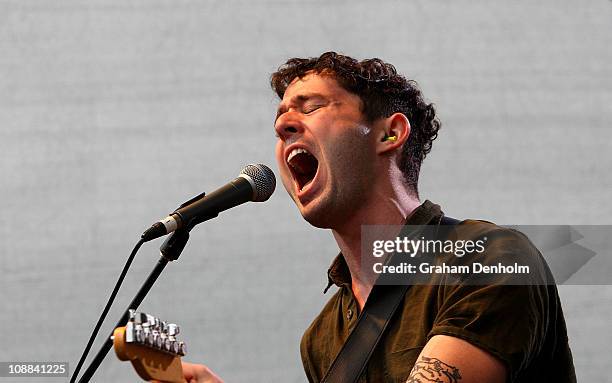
point(199, 373)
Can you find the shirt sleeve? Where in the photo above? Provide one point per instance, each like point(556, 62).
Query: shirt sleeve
point(508, 317)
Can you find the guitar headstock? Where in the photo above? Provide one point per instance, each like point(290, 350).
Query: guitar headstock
point(152, 347)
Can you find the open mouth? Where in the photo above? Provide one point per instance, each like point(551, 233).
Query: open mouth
point(303, 166)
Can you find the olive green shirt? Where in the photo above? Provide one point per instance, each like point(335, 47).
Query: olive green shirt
point(523, 326)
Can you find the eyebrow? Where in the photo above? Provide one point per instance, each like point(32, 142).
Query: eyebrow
point(300, 99)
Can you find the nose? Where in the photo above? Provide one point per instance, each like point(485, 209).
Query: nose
point(288, 125)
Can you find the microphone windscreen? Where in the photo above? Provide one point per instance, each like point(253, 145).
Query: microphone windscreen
point(264, 180)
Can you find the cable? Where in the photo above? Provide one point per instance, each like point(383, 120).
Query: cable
point(106, 309)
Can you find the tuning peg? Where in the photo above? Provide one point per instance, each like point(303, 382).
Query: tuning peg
point(165, 342)
point(150, 321)
point(174, 347)
point(137, 317)
point(148, 336)
point(139, 335)
point(129, 332)
point(140, 318)
point(156, 341)
point(173, 329)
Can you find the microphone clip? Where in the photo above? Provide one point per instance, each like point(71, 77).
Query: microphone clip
point(175, 243)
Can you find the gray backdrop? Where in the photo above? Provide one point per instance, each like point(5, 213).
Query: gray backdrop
point(114, 112)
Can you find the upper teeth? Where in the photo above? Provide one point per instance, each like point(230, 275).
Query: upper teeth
point(295, 152)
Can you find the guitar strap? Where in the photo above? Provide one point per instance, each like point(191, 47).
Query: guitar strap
point(354, 355)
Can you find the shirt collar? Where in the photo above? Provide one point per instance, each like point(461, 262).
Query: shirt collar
point(339, 274)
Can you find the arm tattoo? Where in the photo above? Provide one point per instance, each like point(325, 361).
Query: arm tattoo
point(433, 370)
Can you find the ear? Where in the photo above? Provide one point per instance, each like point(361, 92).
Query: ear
point(394, 132)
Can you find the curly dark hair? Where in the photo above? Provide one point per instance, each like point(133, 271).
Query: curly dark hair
point(382, 92)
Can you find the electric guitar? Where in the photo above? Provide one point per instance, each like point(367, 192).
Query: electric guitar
point(151, 345)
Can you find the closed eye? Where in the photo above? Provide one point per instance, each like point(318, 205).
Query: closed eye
point(310, 109)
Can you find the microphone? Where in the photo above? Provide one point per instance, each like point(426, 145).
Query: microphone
point(256, 183)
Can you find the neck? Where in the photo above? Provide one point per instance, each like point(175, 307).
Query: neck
point(389, 205)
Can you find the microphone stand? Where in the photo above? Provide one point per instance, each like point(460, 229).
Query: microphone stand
point(170, 251)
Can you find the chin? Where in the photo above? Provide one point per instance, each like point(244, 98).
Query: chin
point(312, 214)
point(318, 214)
point(318, 221)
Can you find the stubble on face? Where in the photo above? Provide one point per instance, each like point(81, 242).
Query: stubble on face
point(350, 179)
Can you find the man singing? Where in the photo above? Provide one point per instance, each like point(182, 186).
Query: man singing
point(351, 139)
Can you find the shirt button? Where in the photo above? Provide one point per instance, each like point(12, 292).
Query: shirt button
point(349, 314)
